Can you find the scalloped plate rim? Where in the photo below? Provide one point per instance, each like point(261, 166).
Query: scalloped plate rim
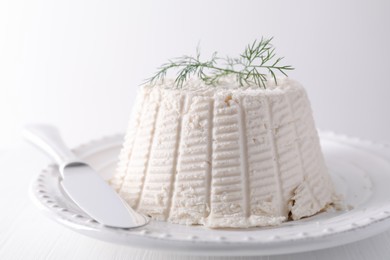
point(219, 247)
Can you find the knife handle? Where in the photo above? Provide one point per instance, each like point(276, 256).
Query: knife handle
point(48, 139)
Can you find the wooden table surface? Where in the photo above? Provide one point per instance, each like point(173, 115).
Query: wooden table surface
point(25, 233)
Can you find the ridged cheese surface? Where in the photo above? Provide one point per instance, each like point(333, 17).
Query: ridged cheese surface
point(223, 156)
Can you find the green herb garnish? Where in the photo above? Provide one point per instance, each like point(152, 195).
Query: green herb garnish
point(253, 66)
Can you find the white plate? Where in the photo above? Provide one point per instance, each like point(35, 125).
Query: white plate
point(360, 170)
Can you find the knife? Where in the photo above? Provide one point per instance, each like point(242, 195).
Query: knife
point(82, 184)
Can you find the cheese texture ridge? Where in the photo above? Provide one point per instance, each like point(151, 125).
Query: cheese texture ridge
point(223, 156)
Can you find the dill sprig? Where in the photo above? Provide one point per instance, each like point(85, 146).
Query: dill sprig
point(253, 67)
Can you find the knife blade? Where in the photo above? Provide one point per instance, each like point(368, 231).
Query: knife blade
point(88, 190)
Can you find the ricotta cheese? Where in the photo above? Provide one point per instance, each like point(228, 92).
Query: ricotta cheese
point(223, 156)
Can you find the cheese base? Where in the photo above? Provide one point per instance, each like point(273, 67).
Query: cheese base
point(223, 156)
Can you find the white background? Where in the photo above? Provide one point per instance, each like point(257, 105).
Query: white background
point(78, 64)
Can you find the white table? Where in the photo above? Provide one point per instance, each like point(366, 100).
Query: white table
point(25, 233)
